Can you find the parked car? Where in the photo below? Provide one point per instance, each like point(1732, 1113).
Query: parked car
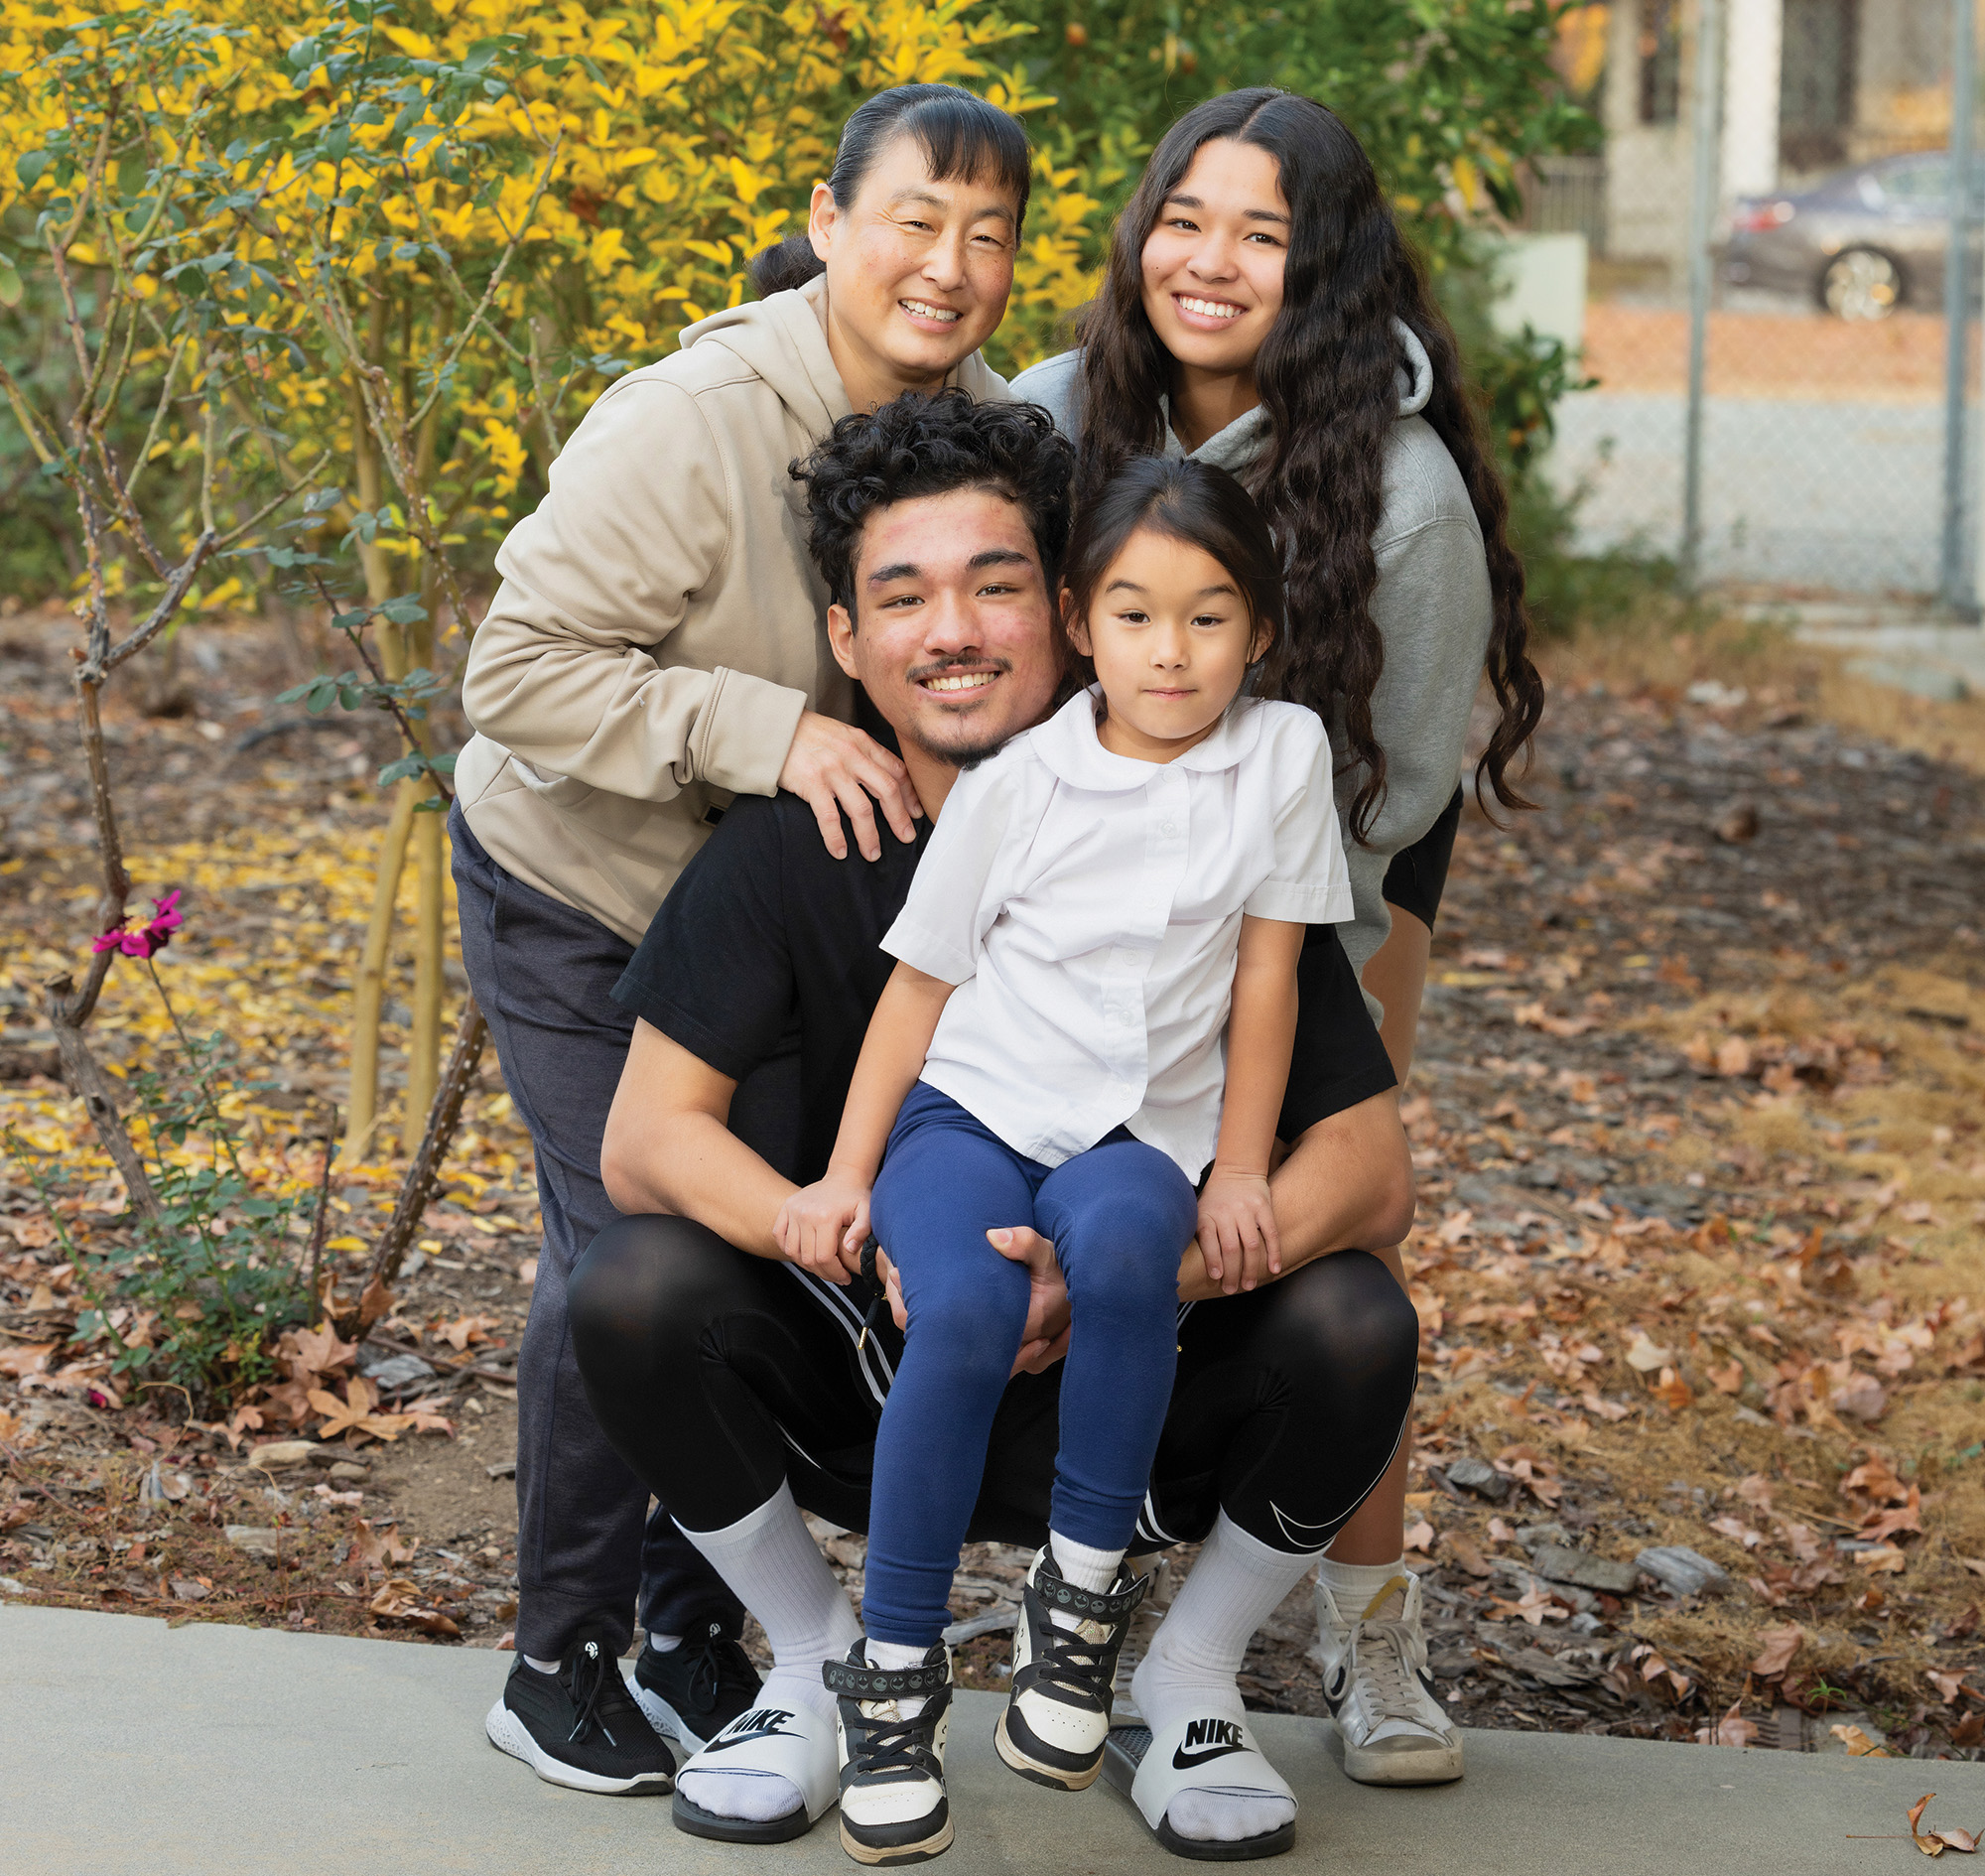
point(1863, 241)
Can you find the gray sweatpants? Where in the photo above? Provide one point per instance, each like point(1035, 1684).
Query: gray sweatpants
point(543, 973)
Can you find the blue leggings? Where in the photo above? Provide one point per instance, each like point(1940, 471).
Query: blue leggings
point(1120, 1216)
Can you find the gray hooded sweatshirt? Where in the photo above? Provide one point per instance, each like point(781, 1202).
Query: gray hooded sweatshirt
point(1432, 606)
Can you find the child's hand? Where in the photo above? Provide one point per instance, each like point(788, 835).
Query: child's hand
point(1236, 1231)
point(823, 1227)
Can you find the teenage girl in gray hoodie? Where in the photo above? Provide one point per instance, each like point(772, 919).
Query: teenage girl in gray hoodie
point(1260, 312)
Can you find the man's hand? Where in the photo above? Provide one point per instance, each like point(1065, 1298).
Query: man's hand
point(833, 766)
point(1044, 1341)
point(823, 1227)
point(1236, 1231)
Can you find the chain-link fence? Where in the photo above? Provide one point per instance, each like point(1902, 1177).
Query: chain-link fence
point(1804, 148)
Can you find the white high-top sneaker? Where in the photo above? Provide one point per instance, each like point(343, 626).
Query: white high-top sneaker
point(893, 1807)
point(1063, 1689)
point(1375, 1684)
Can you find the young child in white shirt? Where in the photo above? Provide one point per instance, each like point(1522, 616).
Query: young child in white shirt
point(1096, 996)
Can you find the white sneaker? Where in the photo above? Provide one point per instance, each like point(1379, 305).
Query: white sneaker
point(1063, 1687)
point(1375, 1684)
point(893, 1807)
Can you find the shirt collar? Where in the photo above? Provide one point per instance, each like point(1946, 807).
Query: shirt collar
point(1068, 745)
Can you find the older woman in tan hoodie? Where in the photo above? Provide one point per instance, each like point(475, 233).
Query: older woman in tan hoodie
point(657, 646)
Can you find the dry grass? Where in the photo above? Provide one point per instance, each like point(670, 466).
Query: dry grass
point(1668, 646)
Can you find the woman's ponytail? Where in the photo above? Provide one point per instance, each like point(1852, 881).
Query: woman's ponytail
point(785, 265)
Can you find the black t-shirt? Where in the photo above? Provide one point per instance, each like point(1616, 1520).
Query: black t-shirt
point(768, 944)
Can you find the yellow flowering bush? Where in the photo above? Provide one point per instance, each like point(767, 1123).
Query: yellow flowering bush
point(341, 278)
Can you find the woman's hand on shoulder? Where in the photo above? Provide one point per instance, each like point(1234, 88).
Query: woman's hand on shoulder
point(1237, 1230)
point(835, 767)
point(822, 1227)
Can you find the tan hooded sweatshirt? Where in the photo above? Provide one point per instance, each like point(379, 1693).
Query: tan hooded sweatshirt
point(660, 625)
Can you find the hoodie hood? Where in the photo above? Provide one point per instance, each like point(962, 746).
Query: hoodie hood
point(783, 339)
point(1236, 448)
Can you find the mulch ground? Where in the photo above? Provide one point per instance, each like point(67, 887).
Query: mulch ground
point(1699, 1258)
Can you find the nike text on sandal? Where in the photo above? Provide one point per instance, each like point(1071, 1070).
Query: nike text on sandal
point(1379, 1691)
point(1152, 1770)
point(697, 1688)
point(893, 1807)
point(580, 1727)
point(1058, 1709)
point(770, 1742)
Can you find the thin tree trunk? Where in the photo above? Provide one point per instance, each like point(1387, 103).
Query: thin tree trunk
point(424, 1034)
point(369, 986)
point(92, 1088)
point(430, 938)
point(423, 1176)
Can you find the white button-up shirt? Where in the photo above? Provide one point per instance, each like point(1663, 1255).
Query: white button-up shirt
point(1087, 908)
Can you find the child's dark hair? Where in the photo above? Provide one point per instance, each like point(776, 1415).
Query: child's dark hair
point(1189, 501)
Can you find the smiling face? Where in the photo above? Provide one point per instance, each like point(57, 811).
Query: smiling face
point(955, 641)
point(1171, 638)
point(1213, 262)
point(919, 272)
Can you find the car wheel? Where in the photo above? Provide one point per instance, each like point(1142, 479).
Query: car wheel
point(1861, 284)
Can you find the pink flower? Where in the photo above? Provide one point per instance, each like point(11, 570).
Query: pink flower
point(150, 938)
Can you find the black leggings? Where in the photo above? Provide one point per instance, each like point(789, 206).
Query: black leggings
point(717, 1377)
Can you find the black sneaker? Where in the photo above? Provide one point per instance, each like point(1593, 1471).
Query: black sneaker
point(580, 1727)
point(696, 1690)
point(893, 1807)
point(1058, 1710)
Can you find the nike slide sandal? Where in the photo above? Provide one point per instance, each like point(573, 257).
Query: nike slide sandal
point(1150, 1770)
point(766, 1742)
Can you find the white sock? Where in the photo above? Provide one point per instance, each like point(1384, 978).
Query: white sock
point(544, 1667)
point(892, 1655)
point(1193, 1662)
point(1087, 1569)
point(1083, 1565)
point(771, 1563)
point(665, 1644)
point(1352, 1587)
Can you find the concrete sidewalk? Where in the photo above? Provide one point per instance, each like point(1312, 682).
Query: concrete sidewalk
point(127, 1749)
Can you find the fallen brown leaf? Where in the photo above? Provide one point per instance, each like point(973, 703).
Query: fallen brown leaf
point(1730, 1730)
point(1858, 1744)
point(1778, 1647)
point(1464, 1552)
point(28, 1358)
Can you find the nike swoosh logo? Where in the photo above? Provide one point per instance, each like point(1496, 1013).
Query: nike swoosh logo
point(1185, 1760)
point(745, 1739)
point(1335, 1691)
point(1305, 1536)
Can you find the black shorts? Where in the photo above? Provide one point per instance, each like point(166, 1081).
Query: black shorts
point(717, 1377)
point(1418, 873)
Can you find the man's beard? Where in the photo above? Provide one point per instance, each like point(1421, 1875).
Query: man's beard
point(968, 751)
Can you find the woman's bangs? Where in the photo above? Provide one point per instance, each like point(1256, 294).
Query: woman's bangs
point(964, 139)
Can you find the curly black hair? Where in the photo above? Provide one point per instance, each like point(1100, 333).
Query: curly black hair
point(930, 443)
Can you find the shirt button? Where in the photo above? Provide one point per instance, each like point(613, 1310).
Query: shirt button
point(1168, 828)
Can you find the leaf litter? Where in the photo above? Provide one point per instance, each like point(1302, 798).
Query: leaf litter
point(1702, 1179)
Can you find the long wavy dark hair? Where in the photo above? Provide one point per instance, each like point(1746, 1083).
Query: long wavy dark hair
point(1328, 379)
